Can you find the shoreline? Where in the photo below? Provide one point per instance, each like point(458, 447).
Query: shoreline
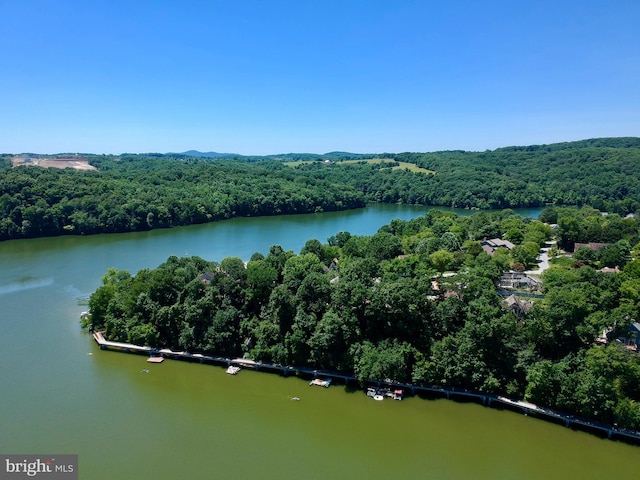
point(611, 432)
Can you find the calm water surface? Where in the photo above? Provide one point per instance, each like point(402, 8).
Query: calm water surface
point(61, 394)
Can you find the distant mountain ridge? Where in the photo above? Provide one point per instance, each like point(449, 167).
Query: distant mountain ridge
point(196, 153)
point(602, 142)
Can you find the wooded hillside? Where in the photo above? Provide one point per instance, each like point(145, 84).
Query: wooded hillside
point(135, 192)
point(602, 173)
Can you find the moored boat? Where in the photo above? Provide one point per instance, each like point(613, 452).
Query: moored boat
point(382, 392)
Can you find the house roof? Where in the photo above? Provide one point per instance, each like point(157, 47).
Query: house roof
point(511, 300)
point(609, 270)
point(206, 277)
point(488, 249)
point(514, 302)
point(516, 275)
point(497, 243)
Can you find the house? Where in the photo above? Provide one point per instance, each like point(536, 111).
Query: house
point(518, 306)
point(631, 339)
point(633, 336)
point(517, 280)
point(205, 277)
point(490, 246)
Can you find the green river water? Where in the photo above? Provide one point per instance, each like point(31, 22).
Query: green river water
point(61, 394)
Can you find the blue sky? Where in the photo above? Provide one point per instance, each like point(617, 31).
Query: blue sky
point(261, 77)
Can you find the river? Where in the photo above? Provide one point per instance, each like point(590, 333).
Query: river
point(61, 394)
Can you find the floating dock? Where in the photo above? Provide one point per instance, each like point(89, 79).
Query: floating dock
point(319, 382)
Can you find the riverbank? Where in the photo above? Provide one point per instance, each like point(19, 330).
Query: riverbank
point(496, 401)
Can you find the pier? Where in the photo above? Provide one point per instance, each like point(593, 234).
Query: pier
point(126, 347)
point(570, 421)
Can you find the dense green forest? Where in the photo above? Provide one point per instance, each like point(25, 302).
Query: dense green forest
point(602, 173)
point(416, 302)
point(142, 192)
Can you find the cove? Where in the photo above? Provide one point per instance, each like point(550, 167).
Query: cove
point(61, 394)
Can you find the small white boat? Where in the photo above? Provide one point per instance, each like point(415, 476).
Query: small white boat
point(233, 369)
point(378, 397)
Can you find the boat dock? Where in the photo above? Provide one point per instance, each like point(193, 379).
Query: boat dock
point(319, 377)
point(127, 347)
point(158, 355)
point(319, 382)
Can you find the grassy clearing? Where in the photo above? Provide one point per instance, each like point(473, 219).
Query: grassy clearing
point(298, 162)
point(402, 165)
point(381, 161)
point(414, 168)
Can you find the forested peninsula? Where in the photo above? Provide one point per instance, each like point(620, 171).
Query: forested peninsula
point(142, 192)
point(419, 302)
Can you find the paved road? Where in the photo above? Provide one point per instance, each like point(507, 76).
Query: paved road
point(543, 261)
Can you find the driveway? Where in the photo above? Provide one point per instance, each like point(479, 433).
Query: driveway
point(543, 260)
